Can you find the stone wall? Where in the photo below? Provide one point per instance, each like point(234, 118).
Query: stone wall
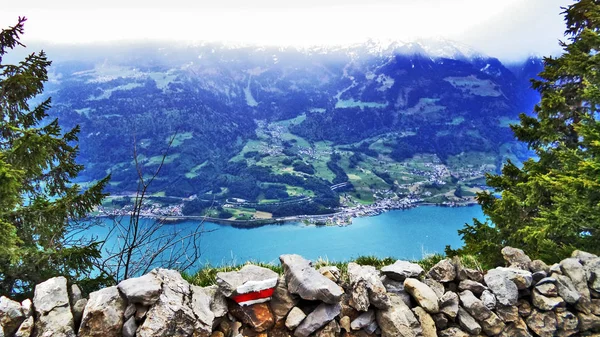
point(526, 298)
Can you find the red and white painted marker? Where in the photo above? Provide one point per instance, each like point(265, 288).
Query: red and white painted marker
point(253, 292)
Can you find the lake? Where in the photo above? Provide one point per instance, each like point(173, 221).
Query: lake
point(405, 234)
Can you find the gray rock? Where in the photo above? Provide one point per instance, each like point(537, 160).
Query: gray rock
point(363, 320)
point(441, 321)
point(27, 307)
point(592, 269)
point(516, 257)
point(489, 299)
point(516, 329)
point(490, 322)
point(400, 270)
point(506, 291)
point(547, 288)
point(129, 311)
point(398, 320)
point(53, 312)
point(332, 329)
point(508, 314)
point(536, 266)
point(573, 269)
point(77, 310)
point(524, 308)
point(544, 302)
point(453, 332)
point(140, 312)
point(474, 287)
point(449, 304)
point(26, 328)
point(566, 289)
point(538, 275)
point(567, 323)
point(474, 275)
point(103, 314)
point(396, 287)
point(436, 286)
point(427, 323)
point(555, 268)
point(582, 256)
point(543, 323)
point(201, 308)
point(144, 290)
point(331, 272)
point(318, 318)
point(282, 301)
point(588, 322)
point(468, 323)
point(371, 328)
point(522, 278)
point(367, 287)
point(76, 293)
point(443, 271)
point(11, 315)
point(245, 279)
point(294, 318)
point(172, 314)
point(129, 327)
point(218, 301)
point(425, 296)
point(305, 281)
point(345, 323)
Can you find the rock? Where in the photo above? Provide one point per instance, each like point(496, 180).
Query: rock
point(76, 293)
point(425, 296)
point(294, 318)
point(542, 323)
point(11, 315)
point(566, 289)
point(588, 322)
point(322, 315)
point(592, 268)
point(490, 322)
point(364, 320)
point(461, 273)
point(144, 290)
point(516, 329)
point(250, 278)
point(488, 299)
point(441, 322)
point(524, 308)
point(27, 308)
point(538, 275)
point(547, 287)
point(396, 287)
point(516, 257)
point(257, 316)
point(201, 308)
point(103, 314)
point(544, 302)
point(172, 314)
point(575, 271)
point(506, 291)
point(129, 311)
point(309, 284)
point(449, 304)
point(567, 323)
point(398, 320)
point(474, 287)
point(427, 323)
point(522, 278)
point(539, 266)
point(436, 286)
point(51, 303)
point(140, 312)
point(345, 323)
point(282, 301)
point(582, 256)
point(367, 287)
point(217, 334)
point(400, 270)
point(372, 328)
point(332, 329)
point(443, 271)
point(508, 313)
point(331, 272)
point(129, 327)
point(467, 322)
point(453, 332)
point(26, 328)
point(77, 310)
point(218, 301)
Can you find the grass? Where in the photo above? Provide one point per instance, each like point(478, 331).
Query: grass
point(208, 274)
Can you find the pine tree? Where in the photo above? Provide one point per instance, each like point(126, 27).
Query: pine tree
point(38, 201)
point(551, 205)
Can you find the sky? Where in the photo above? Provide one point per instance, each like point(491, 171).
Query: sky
point(507, 29)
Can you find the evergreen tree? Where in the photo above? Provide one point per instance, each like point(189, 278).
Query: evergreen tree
point(38, 201)
point(551, 205)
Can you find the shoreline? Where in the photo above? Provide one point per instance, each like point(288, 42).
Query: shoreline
point(254, 223)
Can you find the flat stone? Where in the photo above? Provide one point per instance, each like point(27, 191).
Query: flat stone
point(401, 270)
point(506, 291)
point(544, 302)
point(547, 289)
point(144, 290)
point(449, 304)
point(425, 296)
point(248, 279)
point(318, 318)
point(508, 314)
point(566, 289)
point(258, 316)
point(51, 303)
point(282, 301)
point(474, 287)
point(309, 284)
point(543, 323)
point(522, 278)
point(11, 315)
point(426, 321)
point(294, 318)
point(443, 271)
point(398, 320)
point(103, 314)
point(467, 322)
point(363, 320)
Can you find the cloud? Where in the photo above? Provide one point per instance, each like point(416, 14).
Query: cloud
point(509, 29)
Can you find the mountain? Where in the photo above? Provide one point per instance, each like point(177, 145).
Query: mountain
point(275, 128)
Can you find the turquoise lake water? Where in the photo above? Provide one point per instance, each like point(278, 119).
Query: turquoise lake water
point(406, 234)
